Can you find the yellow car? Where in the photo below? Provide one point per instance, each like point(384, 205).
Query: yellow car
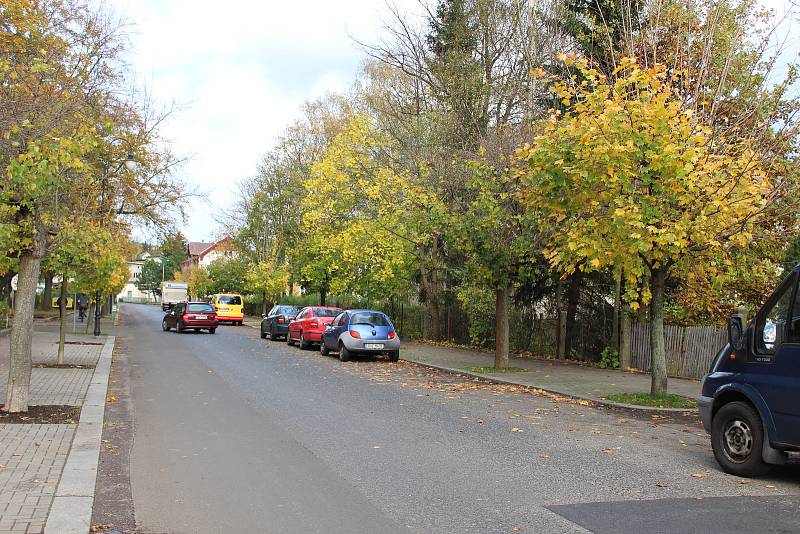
point(229, 307)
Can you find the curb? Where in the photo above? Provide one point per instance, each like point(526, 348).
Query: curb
point(71, 511)
point(594, 400)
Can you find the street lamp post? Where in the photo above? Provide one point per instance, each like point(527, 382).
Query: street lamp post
point(130, 164)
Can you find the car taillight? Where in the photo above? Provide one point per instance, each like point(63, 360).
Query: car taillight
point(281, 320)
point(391, 334)
point(355, 334)
point(185, 316)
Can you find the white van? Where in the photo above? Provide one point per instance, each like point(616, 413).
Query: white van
point(173, 293)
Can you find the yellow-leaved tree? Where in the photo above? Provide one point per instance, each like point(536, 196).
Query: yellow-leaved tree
point(631, 178)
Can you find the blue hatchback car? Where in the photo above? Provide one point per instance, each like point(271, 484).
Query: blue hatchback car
point(361, 332)
point(750, 401)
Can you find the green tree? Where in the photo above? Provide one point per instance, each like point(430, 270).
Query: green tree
point(199, 283)
point(228, 274)
point(150, 277)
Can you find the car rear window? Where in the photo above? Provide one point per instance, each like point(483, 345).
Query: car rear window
point(327, 312)
point(370, 318)
point(233, 300)
point(200, 308)
point(288, 310)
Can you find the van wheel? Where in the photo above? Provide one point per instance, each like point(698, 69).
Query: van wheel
point(737, 437)
point(344, 354)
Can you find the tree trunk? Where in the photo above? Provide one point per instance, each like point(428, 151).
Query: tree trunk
point(573, 297)
point(625, 339)
point(501, 328)
point(47, 296)
point(658, 385)
point(323, 296)
point(561, 322)
point(62, 327)
point(19, 369)
point(615, 344)
point(430, 283)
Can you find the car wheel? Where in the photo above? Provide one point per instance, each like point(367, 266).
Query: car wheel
point(323, 349)
point(272, 334)
point(197, 330)
point(304, 345)
point(178, 328)
point(344, 354)
point(164, 326)
point(394, 356)
point(263, 335)
point(212, 330)
point(737, 438)
point(289, 339)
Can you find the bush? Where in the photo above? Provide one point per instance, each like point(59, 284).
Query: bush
point(609, 358)
point(478, 303)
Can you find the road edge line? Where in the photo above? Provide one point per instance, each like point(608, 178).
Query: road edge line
point(71, 510)
point(593, 400)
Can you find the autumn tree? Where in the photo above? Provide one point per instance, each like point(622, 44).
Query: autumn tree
point(636, 180)
point(65, 134)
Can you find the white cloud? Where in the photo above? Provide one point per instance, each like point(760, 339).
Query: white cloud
point(240, 70)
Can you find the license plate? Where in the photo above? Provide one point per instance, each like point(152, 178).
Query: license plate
point(201, 317)
point(373, 345)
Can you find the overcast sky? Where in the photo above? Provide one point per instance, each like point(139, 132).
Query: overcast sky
point(240, 70)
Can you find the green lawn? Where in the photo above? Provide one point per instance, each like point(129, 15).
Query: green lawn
point(491, 370)
point(645, 399)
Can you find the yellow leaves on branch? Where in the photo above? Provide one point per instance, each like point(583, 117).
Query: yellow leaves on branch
point(630, 177)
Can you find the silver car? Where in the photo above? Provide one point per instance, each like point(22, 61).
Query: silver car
point(361, 332)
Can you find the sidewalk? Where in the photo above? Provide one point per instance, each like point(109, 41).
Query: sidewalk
point(48, 471)
point(565, 378)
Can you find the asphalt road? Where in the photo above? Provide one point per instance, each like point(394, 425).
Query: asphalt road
point(236, 434)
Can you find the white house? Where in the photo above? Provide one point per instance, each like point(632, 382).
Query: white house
point(131, 293)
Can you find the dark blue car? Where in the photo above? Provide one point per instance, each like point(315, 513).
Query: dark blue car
point(750, 401)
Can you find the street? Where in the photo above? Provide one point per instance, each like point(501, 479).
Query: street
point(237, 434)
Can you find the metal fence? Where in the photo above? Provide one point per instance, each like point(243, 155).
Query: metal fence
point(690, 349)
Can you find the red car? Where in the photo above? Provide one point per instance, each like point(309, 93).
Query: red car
point(308, 326)
point(191, 316)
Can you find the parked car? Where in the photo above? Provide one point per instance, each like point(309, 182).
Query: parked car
point(190, 316)
point(310, 323)
point(354, 332)
point(749, 400)
point(276, 323)
point(229, 307)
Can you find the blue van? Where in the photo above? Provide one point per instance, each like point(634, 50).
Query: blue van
point(750, 400)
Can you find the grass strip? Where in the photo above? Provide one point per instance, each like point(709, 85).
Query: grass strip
point(669, 400)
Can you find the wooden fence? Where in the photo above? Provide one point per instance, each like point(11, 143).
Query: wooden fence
point(690, 349)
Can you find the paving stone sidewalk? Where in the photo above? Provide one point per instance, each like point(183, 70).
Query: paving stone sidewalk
point(564, 377)
point(32, 456)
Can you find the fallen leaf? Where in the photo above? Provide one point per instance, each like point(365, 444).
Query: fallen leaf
point(515, 429)
point(698, 475)
point(609, 450)
point(516, 529)
point(661, 485)
point(743, 482)
point(769, 486)
point(544, 456)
